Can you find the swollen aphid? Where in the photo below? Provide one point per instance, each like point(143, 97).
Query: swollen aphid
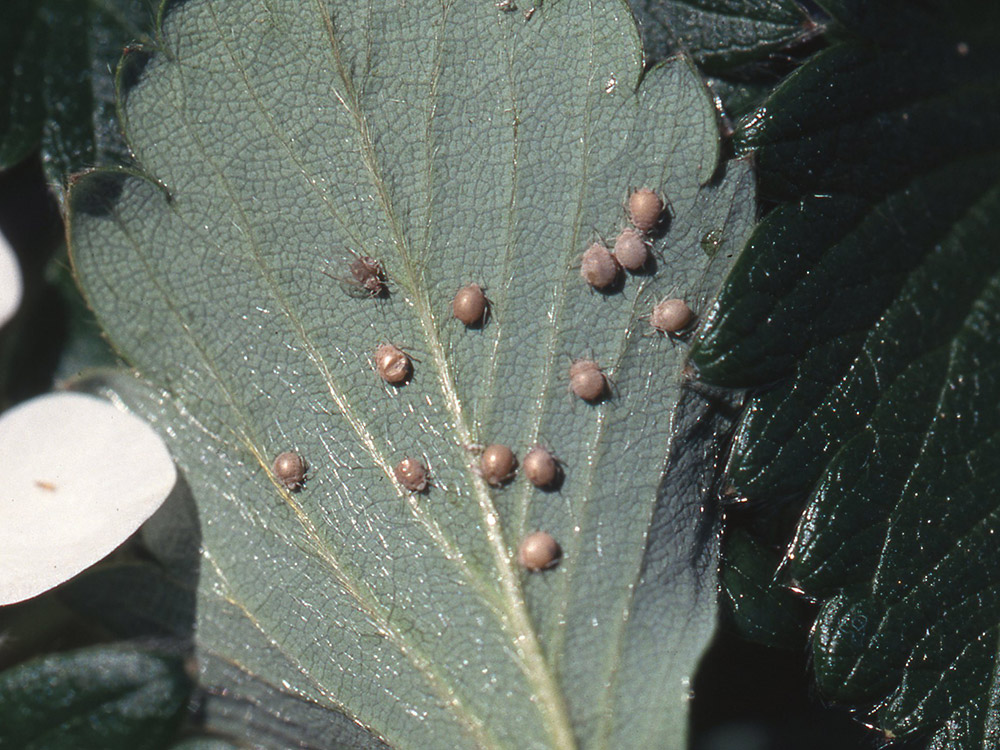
point(470, 305)
point(587, 380)
point(411, 474)
point(631, 250)
point(498, 464)
point(538, 551)
point(290, 470)
point(599, 267)
point(644, 209)
point(671, 316)
point(540, 467)
point(393, 364)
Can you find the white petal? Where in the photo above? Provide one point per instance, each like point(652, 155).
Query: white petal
point(77, 478)
point(10, 281)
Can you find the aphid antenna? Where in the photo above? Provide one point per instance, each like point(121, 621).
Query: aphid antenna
point(676, 338)
point(612, 385)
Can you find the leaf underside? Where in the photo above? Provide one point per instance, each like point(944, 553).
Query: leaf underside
point(866, 309)
point(454, 143)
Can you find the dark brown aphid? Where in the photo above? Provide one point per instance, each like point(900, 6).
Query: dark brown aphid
point(411, 474)
point(497, 464)
point(644, 209)
point(671, 316)
point(587, 380)
point(540, 467)
point(599, 267)
point(470, 305)
point(290, 470)
point(538, 551)
point(631, 250)
point(393, 364)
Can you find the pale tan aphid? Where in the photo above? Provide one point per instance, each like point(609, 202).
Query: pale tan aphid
point(540, 467)
point(671, 316)
point(470, 305)
point(587, 380)
point(599, 267)
point(644, 209)
point(631, 250)
point(411, 474)
point(393, 364)
point(538, 551)
point(290, 470)
point(497, 464)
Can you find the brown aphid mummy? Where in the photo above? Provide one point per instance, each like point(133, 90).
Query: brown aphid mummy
point(290, 470)
point(599, 268)
point(411, 474)
point(393, 364)
point(540, 467)
point(631, 250)
point(538, 551)
point(671, 316)
point(497, 464)
point(587, 380)
point(470, 305)
point(644, 209)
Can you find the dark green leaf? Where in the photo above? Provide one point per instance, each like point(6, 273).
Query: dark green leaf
point(740, 97)
point(56, 84)
point(98, 698)
point(133, 600)
point(763, 610)
point(720, 34)
point(455, 142)
point(865, 308)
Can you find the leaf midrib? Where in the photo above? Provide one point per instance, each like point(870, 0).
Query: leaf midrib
point(370, 606)
point(533, 665)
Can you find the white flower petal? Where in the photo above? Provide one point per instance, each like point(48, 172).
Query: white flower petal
point(10, 281)
point(77, 478)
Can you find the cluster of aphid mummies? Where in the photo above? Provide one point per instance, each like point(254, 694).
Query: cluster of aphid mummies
point(497, 463)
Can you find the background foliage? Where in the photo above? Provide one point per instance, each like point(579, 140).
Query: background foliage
point(860, 317)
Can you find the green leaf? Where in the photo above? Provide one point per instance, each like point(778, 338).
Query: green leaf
point(721, 34)
point(866, 304)
point(103, 697)
point(204, 743)
point(56, 85)
point(453, 143)
point(763, 610)
point(133, 601)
